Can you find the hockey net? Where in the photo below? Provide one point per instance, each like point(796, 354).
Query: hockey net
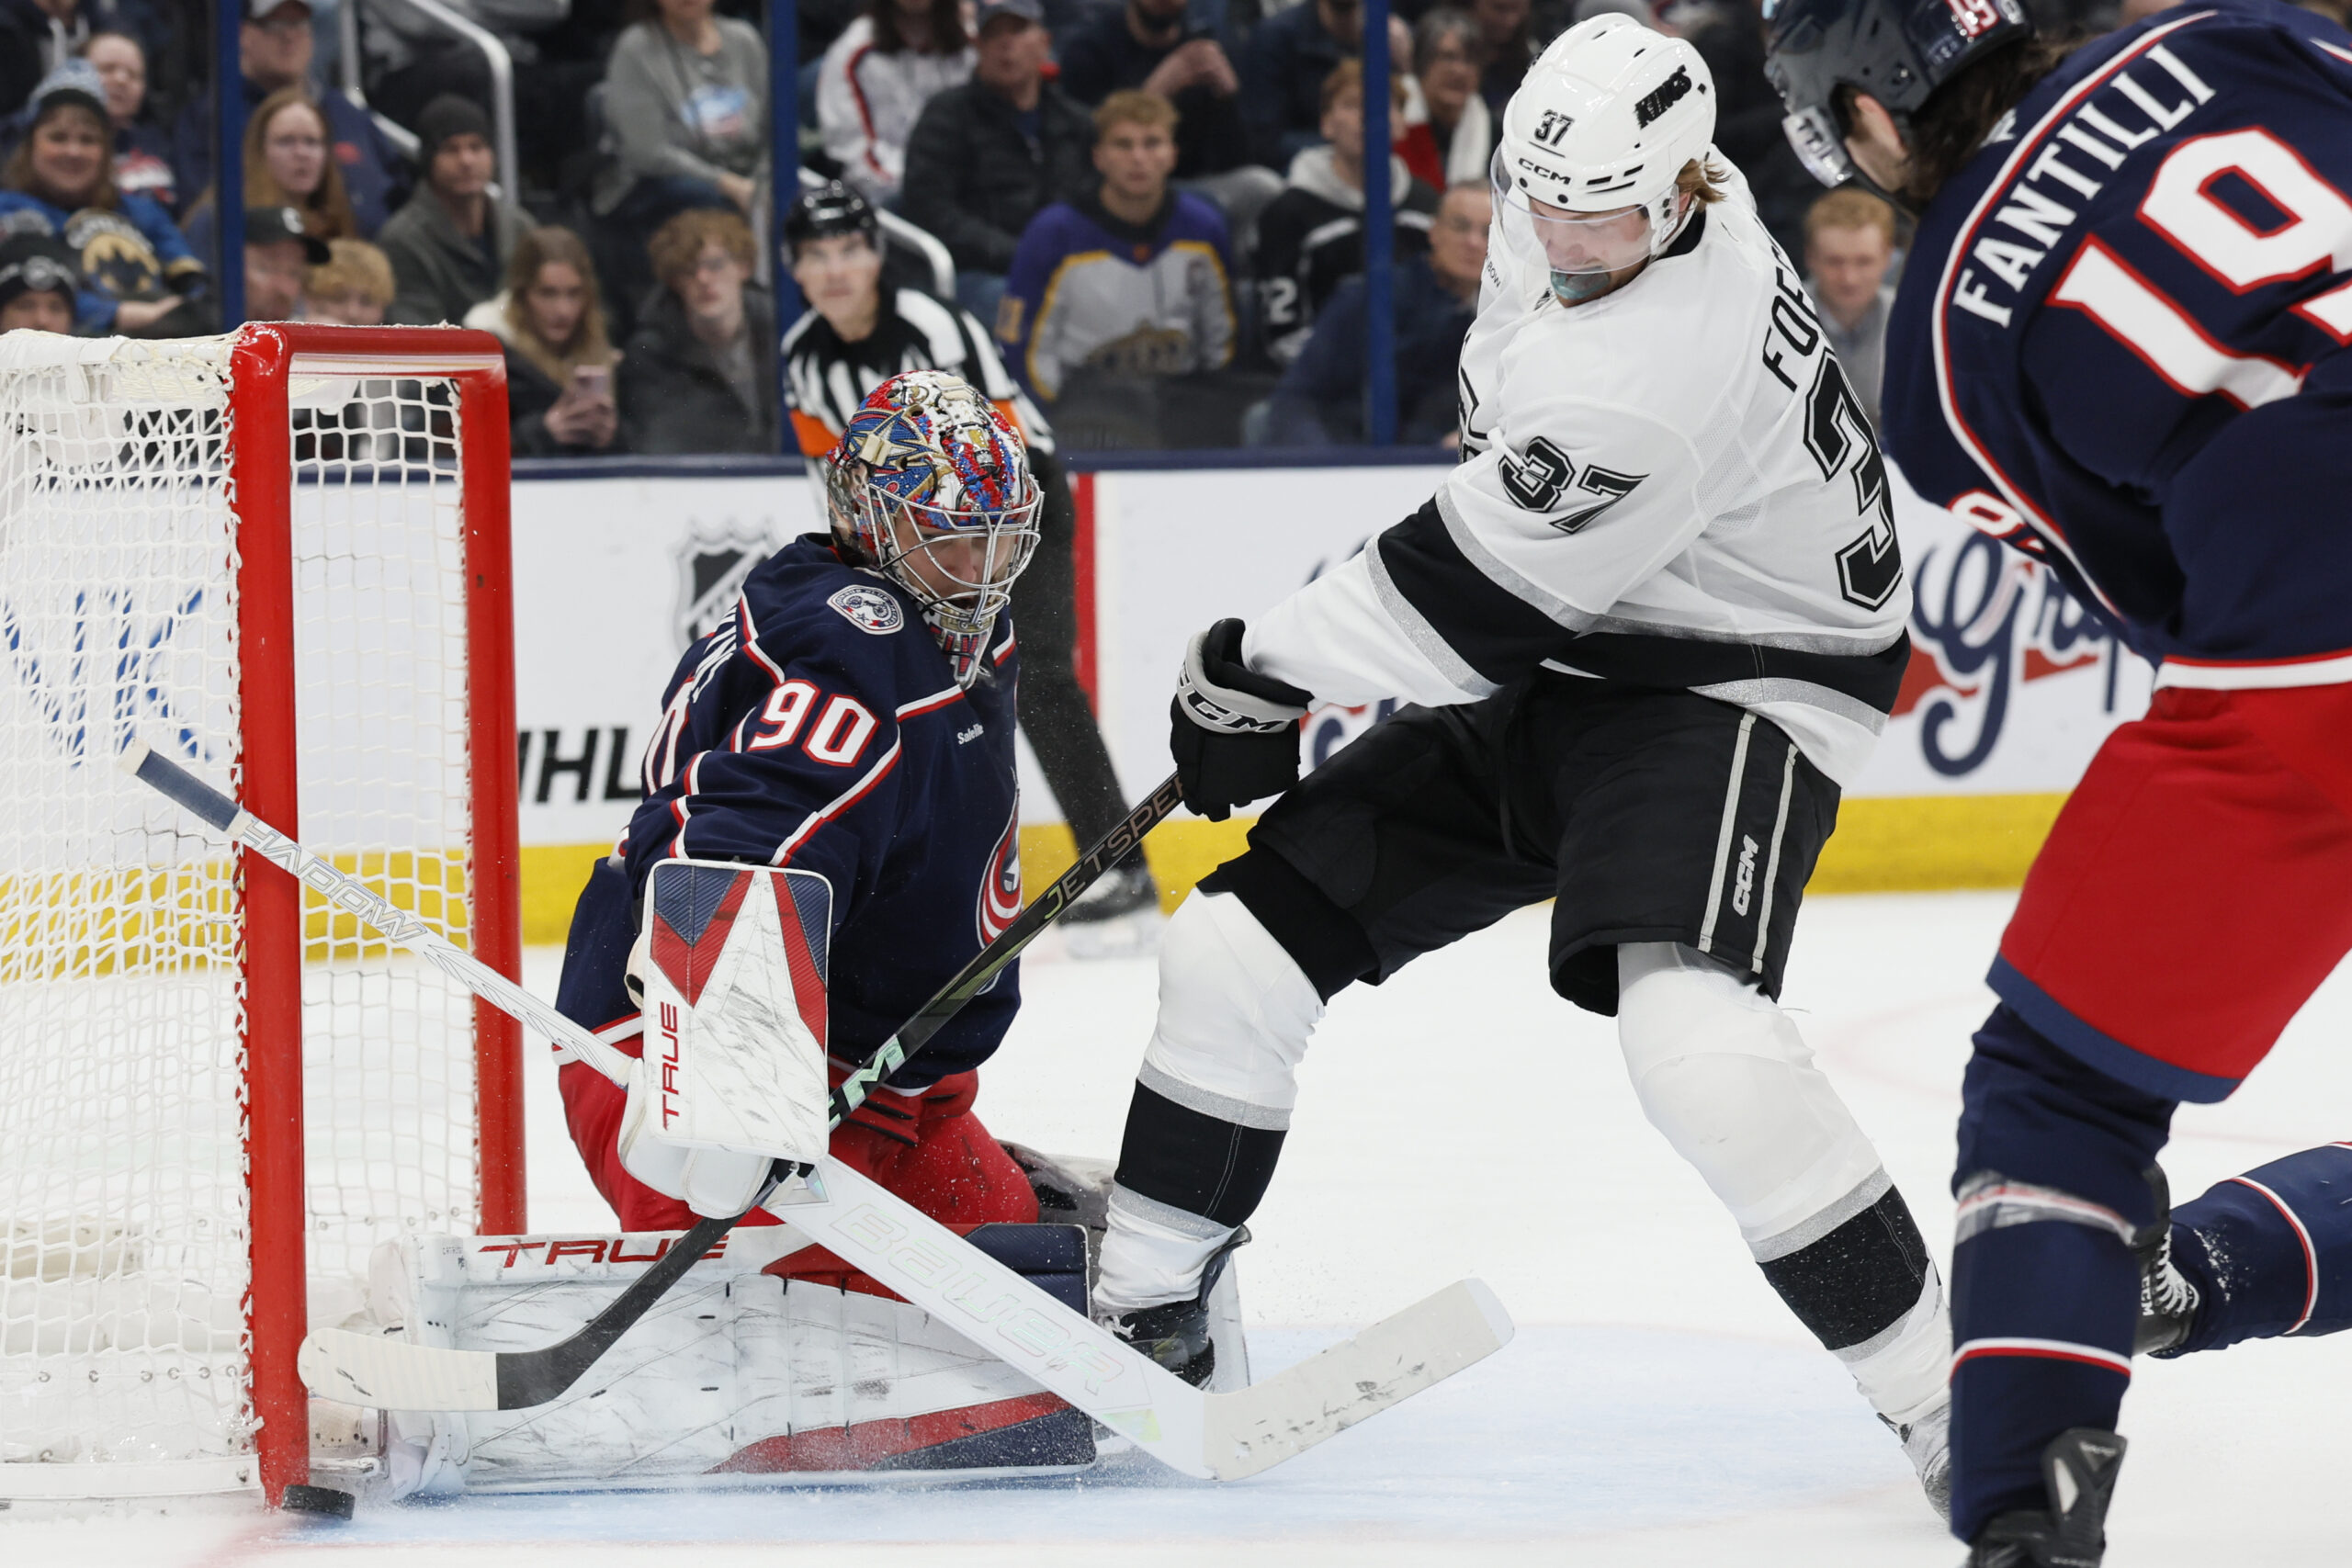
point(278, 557)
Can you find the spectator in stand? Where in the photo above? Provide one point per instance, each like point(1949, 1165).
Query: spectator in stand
point(412, 57)
point(875, 79)
point(450, 244)
point(354, 287)
point(687, 99)
point(1506, 49)
point(138, 278)
point(1848, 244)
point(559, 362)
point(855, 335)
point(275, 47)
point(279, 253)
point(699, 374)
point(1454, 136)
point(1151, 45)
point(1322, 396)
point(988, 156)
point(36, 38)
point(1127, 283)
point(143, 149)
point(37, 285)
point(286, 164)
point(1311, 237)
point(1290, 56)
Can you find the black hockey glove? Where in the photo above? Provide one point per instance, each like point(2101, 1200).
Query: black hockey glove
point(1235, 731)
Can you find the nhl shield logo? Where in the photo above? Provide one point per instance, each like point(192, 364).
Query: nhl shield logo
point(870, 609)
point(713, 560)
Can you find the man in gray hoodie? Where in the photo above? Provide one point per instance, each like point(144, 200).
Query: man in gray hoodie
point(449, 245)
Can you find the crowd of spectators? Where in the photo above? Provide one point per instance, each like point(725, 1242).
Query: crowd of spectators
point(1153, 209)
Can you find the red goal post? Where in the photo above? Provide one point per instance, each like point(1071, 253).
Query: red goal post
point(291, 544)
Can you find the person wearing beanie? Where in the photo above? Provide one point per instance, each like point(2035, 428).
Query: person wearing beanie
point(139, 276)
point(38, 282)
point(450, 244)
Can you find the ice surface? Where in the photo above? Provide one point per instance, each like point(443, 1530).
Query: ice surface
point(1659, 1407)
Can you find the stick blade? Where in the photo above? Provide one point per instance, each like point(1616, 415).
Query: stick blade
point(1260, 1427)
point(392, 1374)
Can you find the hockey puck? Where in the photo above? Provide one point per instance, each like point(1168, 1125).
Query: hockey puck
point(323, 1502)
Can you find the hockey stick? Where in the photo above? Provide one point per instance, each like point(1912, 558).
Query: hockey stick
point(1224, 1436)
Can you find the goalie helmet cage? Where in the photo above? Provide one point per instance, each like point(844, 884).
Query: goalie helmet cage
point(281, 556)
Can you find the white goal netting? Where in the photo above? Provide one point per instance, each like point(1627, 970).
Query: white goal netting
point(124, 1056)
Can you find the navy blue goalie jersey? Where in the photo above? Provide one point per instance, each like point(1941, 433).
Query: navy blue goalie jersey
point(819, 727)
point(2120, 339)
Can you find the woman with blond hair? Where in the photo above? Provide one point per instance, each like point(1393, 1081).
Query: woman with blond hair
point(288, 163)
point(559, 361)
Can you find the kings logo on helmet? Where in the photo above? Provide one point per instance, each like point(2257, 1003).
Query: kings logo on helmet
point(1677, 88)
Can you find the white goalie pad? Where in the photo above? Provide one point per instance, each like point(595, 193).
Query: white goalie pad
point(735, 1034)
point(737, 1379)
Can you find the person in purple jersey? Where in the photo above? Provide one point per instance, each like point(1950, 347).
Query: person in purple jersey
point(854, 717)
point(2118, 346)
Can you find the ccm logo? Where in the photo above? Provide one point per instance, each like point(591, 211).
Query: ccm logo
point(669, 1062)
point(1745, 883)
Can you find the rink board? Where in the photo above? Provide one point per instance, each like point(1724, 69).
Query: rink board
point(2011, 686)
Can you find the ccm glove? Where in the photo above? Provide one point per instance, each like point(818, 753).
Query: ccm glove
point(1235, 731)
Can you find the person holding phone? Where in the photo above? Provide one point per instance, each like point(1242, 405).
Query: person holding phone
point(559, 360)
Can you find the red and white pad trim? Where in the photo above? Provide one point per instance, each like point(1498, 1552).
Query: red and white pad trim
point(2045, 1350)
point(2311, 1255)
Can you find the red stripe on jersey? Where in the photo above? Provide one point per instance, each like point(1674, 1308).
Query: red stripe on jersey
point(2311, 1257)
point(857, 792)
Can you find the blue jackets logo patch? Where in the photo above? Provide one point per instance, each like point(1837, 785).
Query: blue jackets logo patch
point(870, 610)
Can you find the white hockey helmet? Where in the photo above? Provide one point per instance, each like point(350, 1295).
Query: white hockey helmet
point(1608, 117)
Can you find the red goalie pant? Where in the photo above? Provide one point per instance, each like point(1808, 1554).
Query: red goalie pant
point(2196, 889)
point(927, 1148)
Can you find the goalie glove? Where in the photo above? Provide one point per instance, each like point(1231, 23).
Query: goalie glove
point(730, 966)
point(1233, 732)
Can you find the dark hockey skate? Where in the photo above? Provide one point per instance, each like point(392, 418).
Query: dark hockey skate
point(2168, 1302)
point(1176, 1333)
point(2078, 1469)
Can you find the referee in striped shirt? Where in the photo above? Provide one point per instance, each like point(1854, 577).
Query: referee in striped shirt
point(855, 335)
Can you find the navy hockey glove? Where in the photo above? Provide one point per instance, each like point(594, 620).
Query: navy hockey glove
point(1235, 731)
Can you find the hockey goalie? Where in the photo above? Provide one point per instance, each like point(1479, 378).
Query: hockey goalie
point(830, 832)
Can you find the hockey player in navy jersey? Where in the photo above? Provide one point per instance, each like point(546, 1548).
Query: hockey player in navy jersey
point(853, 716)
point(1649, 627)
point(2118, 344)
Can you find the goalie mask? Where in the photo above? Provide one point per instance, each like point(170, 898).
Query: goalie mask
point(930, 487)
point(1593, 145)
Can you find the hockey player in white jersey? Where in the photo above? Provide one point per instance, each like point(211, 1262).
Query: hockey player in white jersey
point(1651, 625)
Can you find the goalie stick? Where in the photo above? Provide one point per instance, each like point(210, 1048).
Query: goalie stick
point(1220, 1436)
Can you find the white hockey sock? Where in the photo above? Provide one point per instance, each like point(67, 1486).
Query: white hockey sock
point(1904, 1372)
point(1236, 1012)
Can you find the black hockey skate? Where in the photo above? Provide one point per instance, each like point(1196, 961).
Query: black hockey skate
point(2168, 1302)
point(1176, 1333)
point(2078, 1469)
point(1122, 892)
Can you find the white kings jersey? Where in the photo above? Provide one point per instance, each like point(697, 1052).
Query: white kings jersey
point(1669, 486)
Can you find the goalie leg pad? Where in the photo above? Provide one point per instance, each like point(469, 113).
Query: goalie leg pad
point(736, 1379)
